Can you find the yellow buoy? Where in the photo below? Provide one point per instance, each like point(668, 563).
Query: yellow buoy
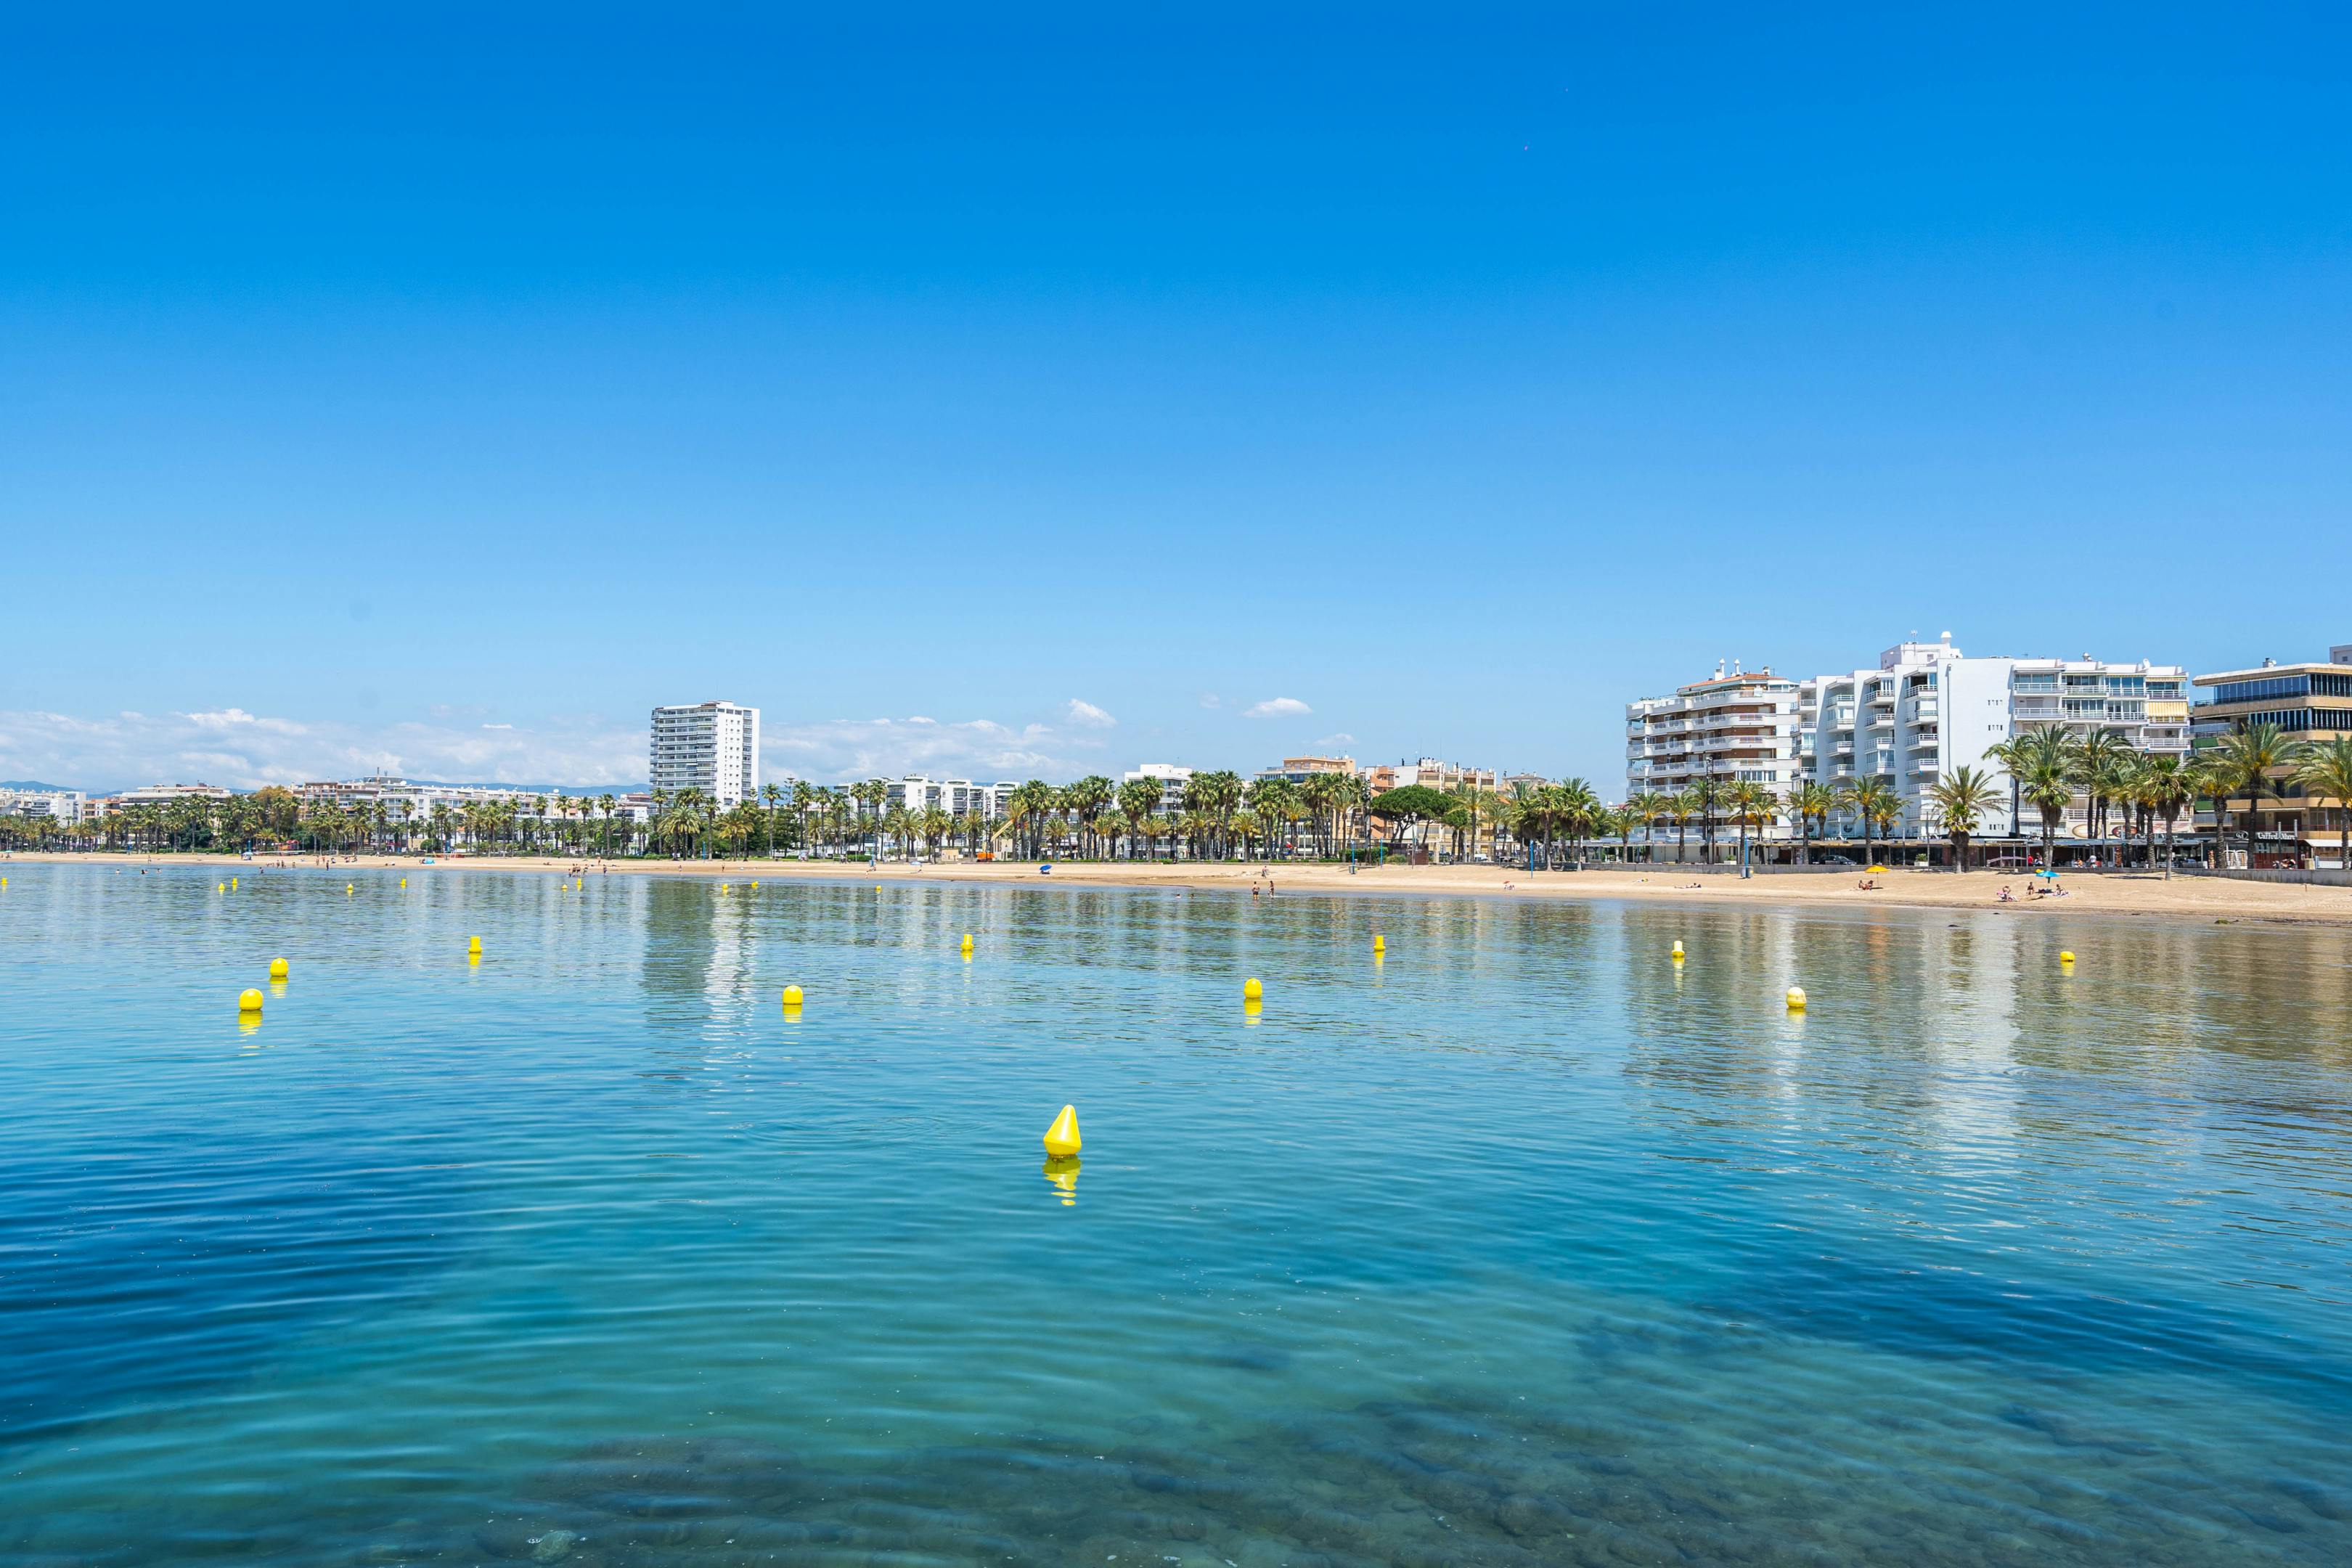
point(792, 996)
point(404, 881)
point(277, 969)
point(722, 887)
point(347, 887)
point(1678, 950)
point(755, 887)
point(1062, 1138)
point(220, 887)
point(232, 881)
point(1795, 998)
point(1252, 991)
point(966, 942)
point(248, 1001)
point(474, 946)
point(1379, 945)
point(2065, 958)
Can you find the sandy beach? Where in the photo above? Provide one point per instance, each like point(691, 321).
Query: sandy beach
point(2203, 898)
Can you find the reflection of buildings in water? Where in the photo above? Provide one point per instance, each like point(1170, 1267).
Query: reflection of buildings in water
point(698, 949)
point(1968, 1032)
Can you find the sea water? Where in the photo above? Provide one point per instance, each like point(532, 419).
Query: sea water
point(1520, 1245)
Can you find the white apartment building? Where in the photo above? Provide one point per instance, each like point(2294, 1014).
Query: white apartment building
point(1172, 779)
point(1735, 725)
point(1928, 709)
point(58, 804)
point(164, 795)
point(713, 747)
point(954, 796)
point(1925, 711)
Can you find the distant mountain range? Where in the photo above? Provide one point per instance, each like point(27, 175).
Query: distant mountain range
point(30, 784)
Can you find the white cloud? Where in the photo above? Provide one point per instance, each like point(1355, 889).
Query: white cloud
point(1277, 708)
point(237, 718)
point(841, 749)
point(243, 750)
point(1210, 700)
point(1340, 739)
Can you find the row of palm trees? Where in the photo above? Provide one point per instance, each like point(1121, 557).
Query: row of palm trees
point(1217, 814)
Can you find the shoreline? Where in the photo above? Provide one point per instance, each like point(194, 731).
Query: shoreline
point(2141, 894)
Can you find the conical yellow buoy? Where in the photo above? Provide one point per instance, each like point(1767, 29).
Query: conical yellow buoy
point(792, 996)
point(231, 882)
point(1795, 998)
point(248, 1001)
point(220, 887)
point(1252, 991)
point(347, 887)
point(404, 881)
point(277, 969)
point(1062, 1138)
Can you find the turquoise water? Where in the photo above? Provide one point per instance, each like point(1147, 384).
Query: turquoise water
point(1519, 1248)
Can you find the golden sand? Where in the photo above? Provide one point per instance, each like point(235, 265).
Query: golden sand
point(2112, 893)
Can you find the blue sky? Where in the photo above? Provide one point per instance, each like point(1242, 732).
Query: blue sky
point(1050, 392)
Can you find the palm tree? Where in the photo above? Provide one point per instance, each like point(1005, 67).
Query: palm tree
point(2324, 772)
point(1750, 804)
point(1875, 803)
point(1682, 808)
point(1961, 800)
point(2043, 762)
point(2098, 757)
point(2168, 783)
point(1138, 800)
point(2243, 760)
point(1644, 808)
point(1811, 804)
point(1086, 799)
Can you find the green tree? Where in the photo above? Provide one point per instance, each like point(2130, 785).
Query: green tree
point(2324, 772)
point(1750, 804)
point(1872, 803)
point(2044, 762)
point(2244, 760)
point(1404, 807)
point(1139, 800)
point(1961, 800)
point(2167, 785)
point(1809, 804)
